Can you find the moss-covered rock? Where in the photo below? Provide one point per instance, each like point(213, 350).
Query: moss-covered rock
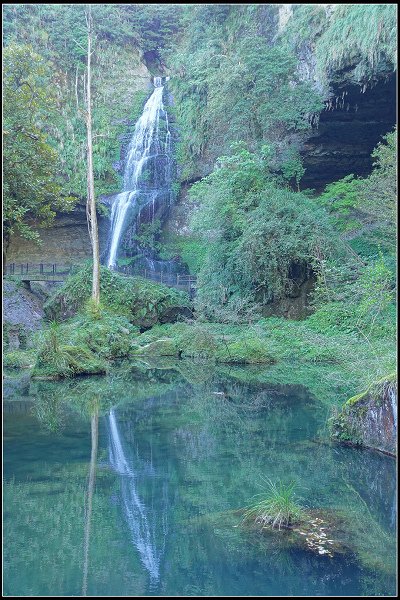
point(370, 419)
point(245, 351)
point(143, 302)
point(107, 336)
point(204, 341)
point(162, 347)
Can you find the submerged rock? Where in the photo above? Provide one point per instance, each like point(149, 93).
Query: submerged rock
point(370, 419)
point(318, 530)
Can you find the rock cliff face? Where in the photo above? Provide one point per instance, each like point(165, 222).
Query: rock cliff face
point(349, 128)
point(370, 419)
point(67, 241)
point(23, 314)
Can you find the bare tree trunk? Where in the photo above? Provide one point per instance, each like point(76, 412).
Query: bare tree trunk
point(88, 516)
point(91, 201)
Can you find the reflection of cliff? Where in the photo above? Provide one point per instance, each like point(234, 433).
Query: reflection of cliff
point(141, 508)
point(374, 479)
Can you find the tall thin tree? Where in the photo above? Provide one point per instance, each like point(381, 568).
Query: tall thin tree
point(91, 200)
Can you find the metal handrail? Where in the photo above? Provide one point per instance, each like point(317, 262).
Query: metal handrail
point(28, 271)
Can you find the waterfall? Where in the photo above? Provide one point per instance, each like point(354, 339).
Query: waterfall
point(141, 521)
point(149, 148)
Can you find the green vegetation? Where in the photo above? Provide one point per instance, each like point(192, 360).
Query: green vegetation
point(214, 111)
point(56, 359)
point(191, 249)
point(263, 240)
point(206, 342)
point(89, 334)
point(361, 37)
point(120, 83)
point(278, 507)
point(142, 302)
point(19, 359)
point(32, 187)
point(358, 39)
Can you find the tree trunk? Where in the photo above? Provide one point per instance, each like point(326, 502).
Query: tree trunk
point(88, 515)
point(91, 201)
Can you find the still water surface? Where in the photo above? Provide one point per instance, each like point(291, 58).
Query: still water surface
point(128, 485)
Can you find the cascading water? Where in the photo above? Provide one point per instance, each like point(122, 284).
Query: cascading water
point(147, 174)
point(141, 521)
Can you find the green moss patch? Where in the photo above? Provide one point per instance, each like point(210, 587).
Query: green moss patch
point(367, 419)
point(204, 341)
point(144, 303)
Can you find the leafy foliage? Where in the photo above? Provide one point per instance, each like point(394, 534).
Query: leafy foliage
point(378, 192)
point(120, 81)
point(259, 97)
point(261, 237)
point(32, 187)
point(148, 235)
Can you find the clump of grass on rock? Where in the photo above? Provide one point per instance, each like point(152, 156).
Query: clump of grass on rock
point(276, 508)
point(57, 359)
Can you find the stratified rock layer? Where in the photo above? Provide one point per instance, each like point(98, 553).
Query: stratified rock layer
point(370, 419)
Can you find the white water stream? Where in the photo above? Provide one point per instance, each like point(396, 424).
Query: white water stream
point(145, 144)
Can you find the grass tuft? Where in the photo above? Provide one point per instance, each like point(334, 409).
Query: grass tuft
point(277, 507)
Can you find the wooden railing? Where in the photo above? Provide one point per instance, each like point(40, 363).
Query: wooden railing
point(57, 272)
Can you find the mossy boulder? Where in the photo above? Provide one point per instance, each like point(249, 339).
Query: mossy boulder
point(369, 419)
point(143, 302)
point(162, 347)
point(153, 303)
point(245, 351)
point(197, 342)
point(204, 341)
point(107, 336)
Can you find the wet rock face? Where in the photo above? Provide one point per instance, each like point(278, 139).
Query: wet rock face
point(370, 419)
point(349, 128)
point(67, 241)
point(22, 314)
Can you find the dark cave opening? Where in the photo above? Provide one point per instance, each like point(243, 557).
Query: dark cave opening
point(350, 127)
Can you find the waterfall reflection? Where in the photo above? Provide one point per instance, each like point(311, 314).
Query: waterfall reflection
point(147, 526)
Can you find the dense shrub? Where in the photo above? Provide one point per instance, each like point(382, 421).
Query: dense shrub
point(263, 239)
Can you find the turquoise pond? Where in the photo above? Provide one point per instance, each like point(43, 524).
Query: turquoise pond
point(133, 484)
